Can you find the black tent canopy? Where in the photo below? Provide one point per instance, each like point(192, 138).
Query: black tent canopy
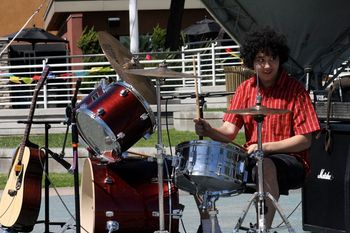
point(35, 35)
point(318, 32)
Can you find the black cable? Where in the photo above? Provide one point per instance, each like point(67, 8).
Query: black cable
point(167, 126)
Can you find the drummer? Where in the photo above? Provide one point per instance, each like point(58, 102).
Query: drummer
point(286, 138)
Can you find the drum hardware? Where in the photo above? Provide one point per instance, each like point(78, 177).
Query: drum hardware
point(160, 160)
point(259, 112)
point(208, 204)
point(112, 226)
point(176, 213)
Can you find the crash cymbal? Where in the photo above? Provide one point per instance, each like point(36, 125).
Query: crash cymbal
point(160, 72)
point(113, 48)
point(258, 110)
point(120, 58)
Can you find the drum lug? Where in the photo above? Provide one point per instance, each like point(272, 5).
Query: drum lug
point(219, 169)
point(108, 180)
point(124, 92)
point(241, 167)
point(175, 162)
point(112, 226)
point(147, 135)
point(144, 116)
point(177, 213)
point(101, 112)
point(120, 135)
point(191, 165)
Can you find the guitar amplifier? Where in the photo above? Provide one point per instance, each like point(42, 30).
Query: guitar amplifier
point(326, 192)
point(339, 104)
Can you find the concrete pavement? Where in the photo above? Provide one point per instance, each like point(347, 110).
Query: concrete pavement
point(61, 210)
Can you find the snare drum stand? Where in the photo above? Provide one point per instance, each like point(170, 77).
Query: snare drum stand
point(208, 204)
point(260, 196)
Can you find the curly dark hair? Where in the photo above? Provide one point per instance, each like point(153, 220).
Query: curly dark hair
point(264, 40)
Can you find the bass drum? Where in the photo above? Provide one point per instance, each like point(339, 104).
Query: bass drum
point(124, 193)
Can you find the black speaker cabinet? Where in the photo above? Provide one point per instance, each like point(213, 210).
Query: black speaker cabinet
point(325, 196)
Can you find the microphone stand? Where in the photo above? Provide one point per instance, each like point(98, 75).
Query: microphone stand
point(75, 168)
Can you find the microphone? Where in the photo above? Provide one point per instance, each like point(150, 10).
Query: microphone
point(60, 160)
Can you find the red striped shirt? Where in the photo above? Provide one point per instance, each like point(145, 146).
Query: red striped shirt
point(287, 93)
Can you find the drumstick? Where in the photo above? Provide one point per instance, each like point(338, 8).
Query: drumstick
point(199, 112)
point(196, 89)
point(136, 153)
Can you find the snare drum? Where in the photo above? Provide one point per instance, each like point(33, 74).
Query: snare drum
point(115, 121)
point(209, 166)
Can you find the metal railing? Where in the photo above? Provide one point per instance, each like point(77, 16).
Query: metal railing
point(17, 82)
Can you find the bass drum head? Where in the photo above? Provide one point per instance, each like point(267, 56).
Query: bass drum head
point(87, 203)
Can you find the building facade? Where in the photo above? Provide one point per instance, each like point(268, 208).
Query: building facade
point(68, 19)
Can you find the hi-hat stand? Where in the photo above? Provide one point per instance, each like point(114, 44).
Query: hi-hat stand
point(260, 196)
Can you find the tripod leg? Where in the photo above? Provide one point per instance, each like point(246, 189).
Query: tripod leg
point(244, 213)
point(279, 210)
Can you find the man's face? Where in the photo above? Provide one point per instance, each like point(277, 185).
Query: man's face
point(266, 66)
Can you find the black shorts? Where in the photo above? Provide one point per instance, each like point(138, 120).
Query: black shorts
point(290, 172)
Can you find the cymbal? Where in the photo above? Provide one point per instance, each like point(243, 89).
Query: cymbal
point(160, 72)
point(200, 95)
point(118, 56)
point(258, 110)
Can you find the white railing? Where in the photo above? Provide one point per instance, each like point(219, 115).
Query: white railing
point(17, 83)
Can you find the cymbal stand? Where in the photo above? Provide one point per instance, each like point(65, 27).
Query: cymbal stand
point(160, 159)
point(260, 196)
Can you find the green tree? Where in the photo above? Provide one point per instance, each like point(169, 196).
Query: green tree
point(88, 43)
